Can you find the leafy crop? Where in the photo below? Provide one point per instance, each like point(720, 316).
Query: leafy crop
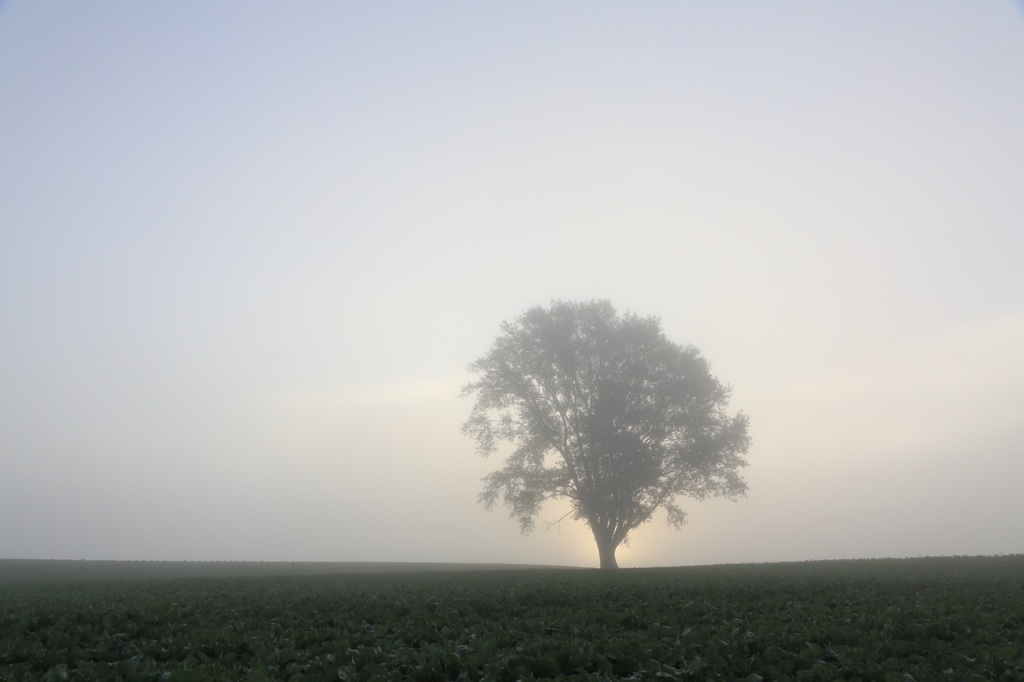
point(895, 621)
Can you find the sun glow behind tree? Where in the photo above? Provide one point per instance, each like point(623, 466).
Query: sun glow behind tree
point(606, 412)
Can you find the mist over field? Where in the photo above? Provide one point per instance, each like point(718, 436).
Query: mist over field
point(247, 251)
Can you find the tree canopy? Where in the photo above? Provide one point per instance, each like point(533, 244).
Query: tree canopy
point(604, 410)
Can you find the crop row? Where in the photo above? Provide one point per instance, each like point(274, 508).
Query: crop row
point(653, 624)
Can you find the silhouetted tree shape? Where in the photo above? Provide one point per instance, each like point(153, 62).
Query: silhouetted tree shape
point(603, 410)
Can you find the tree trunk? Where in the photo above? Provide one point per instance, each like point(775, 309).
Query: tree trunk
point(606, 550)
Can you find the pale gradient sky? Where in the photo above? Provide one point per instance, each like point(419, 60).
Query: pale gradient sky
point(247, 250)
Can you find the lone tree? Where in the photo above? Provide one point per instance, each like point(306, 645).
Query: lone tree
point(604, 410)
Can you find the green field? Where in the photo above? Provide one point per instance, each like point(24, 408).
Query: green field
point(958, 618)
point(21, 571)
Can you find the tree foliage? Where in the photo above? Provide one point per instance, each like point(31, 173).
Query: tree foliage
point(605, 411)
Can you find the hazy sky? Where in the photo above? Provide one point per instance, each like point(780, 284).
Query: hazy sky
point(247, 250)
